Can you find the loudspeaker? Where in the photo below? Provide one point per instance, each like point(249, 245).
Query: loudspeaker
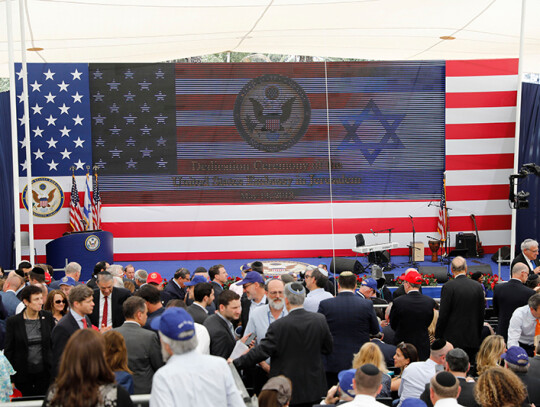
point(482, 268)
point(467, 241)
point(360, 241)
point(439, 272)
point(340, 264)
point(504, 252)
point(389, 279)
point(379, 257)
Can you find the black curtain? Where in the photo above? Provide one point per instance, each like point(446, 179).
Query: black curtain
point(528, 221)
point(6, 186)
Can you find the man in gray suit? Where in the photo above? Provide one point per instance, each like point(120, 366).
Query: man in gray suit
point(143, 348)
point(9, 298)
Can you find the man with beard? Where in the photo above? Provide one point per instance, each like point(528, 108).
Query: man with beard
point(260, 320)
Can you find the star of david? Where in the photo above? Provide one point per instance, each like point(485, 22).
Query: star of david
point(371, 151)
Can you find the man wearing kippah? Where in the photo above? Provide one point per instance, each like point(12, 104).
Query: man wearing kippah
point(444, 390)
point(366, 384)
point(295, 344)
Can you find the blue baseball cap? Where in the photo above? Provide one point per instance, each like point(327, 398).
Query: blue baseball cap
point(175, 323)
point(413, 403)
point(245, 267)
point(370, 282)
point(252, 277)
point(516, 356)
point(67, 280)
point(345, 381)
point(196, 280)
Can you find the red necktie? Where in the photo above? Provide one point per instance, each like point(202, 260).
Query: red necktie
point(105, 312)
point(85, 325)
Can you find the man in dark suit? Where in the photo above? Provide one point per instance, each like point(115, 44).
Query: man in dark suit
point(204, 295)
point(295, 344)
point(457, 363)
point(509, 296)
point(81, 302)
point(528, 256)
point(517, 360)
point(461, 313)
point(176, 288)
point(108, 302)
point(218, 277)
point(351, 320)
point(143, 347)
point(220, 326)
point(412, 314)
point(387, 349)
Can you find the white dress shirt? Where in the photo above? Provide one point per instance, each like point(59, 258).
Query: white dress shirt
point(447, 403)
point(363, 400)
point(415, 377)
point(192, 379)
point(314, 297)
point(522, 326)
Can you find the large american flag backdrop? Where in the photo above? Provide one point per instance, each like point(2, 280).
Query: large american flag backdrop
point(224, 161)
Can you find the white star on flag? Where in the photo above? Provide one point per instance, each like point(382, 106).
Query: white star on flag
point(51, 120)
point(65, 131)
point(78, 142)
point(79, 165)
point(48, 74)
point(38, 132)
point(77, 98)
point(65, 153)
point(50, 98)
point(37, 109)
point(20, 74)
point(52, 165)
point(78, 120)
point(63, 109)
point(63, 86)
point(36, 86)
point(52, 143)
point(39, 154)
point(76, 75)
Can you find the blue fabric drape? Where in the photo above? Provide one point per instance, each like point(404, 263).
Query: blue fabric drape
point(6, 186)
point(528, 223)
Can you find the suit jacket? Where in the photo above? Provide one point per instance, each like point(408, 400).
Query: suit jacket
point(119, 295)
point(533, 387)
point(218, 289)
point(210, 308)
point(507, 297)
point(461, 313)
point(410, 318)
point(222, 340)
point(16, 349)
point(144, 355)
point(520, 258)
point(466, 396)
point(351, 319)
point(199, 315)
point(401, 291)
point(388, 351)
point(60, 335)
point(175, 292)
point(295, 344)
point(10, 301)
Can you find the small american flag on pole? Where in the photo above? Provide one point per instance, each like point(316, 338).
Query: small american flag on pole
point(443, 219)
point(75, 214)
point(96, 203)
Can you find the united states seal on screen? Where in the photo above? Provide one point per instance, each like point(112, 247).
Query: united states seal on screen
point(272, 112)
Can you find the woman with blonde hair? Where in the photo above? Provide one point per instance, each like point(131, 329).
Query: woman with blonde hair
point(84, 378)
point(489, 354)
point(498, 387)
point(371, 353)
point(116, 355)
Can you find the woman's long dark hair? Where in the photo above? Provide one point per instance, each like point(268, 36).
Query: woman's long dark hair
point(83, 369)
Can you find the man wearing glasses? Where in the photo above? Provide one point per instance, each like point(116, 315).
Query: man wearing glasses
point(528, 256)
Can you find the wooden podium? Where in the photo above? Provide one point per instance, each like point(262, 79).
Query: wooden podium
point(418, 252)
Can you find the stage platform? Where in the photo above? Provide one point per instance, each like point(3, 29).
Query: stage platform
point(400, 263)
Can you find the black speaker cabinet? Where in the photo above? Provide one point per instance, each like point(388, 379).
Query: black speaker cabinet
point(504, 252)
point(467, 241)
point(341, 264)
point(439, 272)
point(360, 241)
point(482, 268)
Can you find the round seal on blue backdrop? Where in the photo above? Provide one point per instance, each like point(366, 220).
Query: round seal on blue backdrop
point(92, 243)
point(272, 112)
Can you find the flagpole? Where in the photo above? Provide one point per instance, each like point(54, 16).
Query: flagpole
point(26, 116)
point(14, 149)
point(518, 120)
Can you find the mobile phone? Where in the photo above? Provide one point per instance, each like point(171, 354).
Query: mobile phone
point(250, 338)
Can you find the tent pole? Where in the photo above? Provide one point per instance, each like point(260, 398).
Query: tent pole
point(14, 144)
point(518, 120)
point(26, 116)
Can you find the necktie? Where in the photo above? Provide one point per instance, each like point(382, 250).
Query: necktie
point(85, 325)
point(105, 311)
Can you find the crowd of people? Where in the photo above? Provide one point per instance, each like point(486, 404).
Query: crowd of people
point(300, 340)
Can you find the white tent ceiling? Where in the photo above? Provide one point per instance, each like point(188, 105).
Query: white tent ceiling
point(159, 30)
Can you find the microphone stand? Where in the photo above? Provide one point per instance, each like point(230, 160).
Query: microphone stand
point(412, 257)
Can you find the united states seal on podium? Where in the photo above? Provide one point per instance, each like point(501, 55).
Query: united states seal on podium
point(272, 112)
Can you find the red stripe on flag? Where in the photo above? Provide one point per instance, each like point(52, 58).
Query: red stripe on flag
point(482, 67)
point(481, 99)
point(477, 192)
point(480, 130)
point(479, 162)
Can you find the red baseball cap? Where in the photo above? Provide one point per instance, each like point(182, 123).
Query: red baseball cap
point(413, 277)
point(154, 278)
